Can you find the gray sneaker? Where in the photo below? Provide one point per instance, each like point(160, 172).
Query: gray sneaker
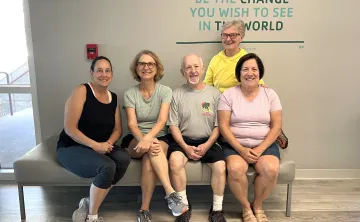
point(81, 213)
point(144, 216)
point(176, 205)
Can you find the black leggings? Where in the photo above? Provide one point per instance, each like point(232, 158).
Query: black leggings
point(83, 161)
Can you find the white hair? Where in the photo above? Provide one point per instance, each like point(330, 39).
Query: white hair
point(238, 24)
point(183, 60)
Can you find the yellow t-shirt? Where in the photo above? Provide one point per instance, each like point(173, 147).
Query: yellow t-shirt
point(221, 71)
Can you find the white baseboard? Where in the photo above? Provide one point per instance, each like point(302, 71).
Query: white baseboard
point(304, 174)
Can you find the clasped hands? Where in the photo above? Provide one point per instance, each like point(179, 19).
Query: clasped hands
point(151, 146)
point(103, 147)
point(196, 152)
point(251, 155)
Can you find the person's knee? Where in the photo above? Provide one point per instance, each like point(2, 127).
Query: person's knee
point(109, 168)
point(271, 171)
point(122, 163)
point(123, 160)
point(146, 164)
point(106, 175)
point(236, 170)
point(176, 162)
point(219, 168)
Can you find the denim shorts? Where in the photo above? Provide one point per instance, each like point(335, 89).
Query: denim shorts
point(273, 149)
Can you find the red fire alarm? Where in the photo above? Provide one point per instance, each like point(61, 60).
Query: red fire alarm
point(91, 51)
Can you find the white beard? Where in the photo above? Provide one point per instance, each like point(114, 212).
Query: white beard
point(196, 81)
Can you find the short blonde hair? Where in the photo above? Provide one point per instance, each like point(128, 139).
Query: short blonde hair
point(159, 66)
point(239, 24)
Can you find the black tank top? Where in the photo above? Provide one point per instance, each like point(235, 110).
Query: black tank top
point(97, 119)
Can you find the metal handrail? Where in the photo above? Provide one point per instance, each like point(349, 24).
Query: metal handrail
point(8, 82)
point(19, 77)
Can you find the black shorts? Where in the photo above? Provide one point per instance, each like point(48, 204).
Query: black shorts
point(213, 155)
point(128, 138)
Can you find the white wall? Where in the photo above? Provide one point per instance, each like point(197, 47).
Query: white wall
point(317, 85)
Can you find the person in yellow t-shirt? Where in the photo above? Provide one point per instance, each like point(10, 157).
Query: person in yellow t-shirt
point(221, 70)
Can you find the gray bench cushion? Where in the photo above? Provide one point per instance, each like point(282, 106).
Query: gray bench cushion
point(40, 167)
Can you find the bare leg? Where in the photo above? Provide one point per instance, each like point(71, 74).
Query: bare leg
point(148, 176)
point(268, 170)
point(218, 177)
point(148, 182)
point(177, 170)
point(161, 167)
point(97, 196)
point(237, 180)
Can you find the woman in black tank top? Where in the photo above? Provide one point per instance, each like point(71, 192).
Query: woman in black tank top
point(86, 145)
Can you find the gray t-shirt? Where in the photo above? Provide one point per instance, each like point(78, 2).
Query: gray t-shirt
point(147, 110)
point(194, 111)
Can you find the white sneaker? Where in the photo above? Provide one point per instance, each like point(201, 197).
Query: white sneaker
point(100, 219)
point(81, 213)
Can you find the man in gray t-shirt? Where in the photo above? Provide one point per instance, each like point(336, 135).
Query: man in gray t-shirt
point(193, 125)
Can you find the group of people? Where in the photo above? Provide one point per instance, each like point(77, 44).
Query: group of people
point(229, 120)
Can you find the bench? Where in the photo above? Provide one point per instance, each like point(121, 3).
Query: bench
point(39, 167)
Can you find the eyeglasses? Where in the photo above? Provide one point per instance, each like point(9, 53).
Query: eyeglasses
point(142, 65)
point(231, 35)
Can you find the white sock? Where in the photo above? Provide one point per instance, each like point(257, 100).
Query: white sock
point(217, 203)
point(183, 196)
point(92, 217)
